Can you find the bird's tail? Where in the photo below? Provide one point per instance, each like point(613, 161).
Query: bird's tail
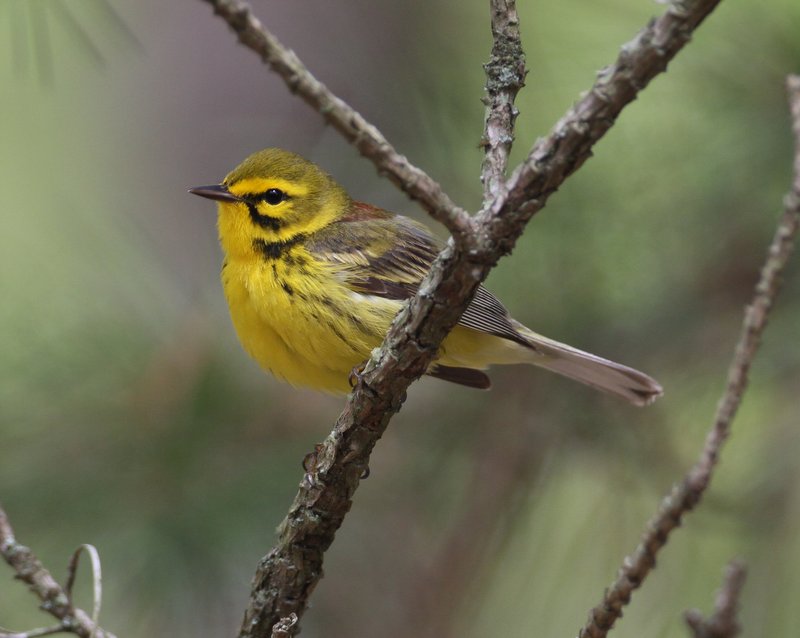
point(614, 378)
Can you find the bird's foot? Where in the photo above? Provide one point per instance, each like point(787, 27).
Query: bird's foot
point(356, 375)
point(310, 461)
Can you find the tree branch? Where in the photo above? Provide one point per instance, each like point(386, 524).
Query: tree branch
point(722, 623)
point(354, 128)
point(685, 496)
point(55, 600)
point(34, 633)
point(505, 76)
point(287, 575)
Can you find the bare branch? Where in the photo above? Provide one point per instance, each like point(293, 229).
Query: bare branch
point(353, 127)
point(54, 599)
point(793, 89)
point(34, 633)
point(685, 496)
point(723, 622)
point(97, 578)
point(286, 576)
point(505, 76)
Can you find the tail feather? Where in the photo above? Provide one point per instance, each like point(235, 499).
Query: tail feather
point(608, 376)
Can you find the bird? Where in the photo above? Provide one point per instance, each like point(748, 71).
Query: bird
point(314, 278)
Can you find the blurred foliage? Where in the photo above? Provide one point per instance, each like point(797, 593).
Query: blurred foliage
point(129, 417)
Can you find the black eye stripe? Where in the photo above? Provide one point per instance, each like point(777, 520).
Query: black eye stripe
point(273, 197)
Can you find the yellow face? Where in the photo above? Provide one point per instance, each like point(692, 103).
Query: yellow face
point(273, 196)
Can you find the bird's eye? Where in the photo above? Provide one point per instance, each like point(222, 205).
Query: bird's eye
point(274, 196)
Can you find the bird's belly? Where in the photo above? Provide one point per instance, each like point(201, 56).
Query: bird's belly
point(307, 330)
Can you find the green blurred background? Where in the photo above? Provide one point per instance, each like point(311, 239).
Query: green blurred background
point(131, 419)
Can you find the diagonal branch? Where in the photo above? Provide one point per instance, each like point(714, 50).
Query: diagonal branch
point(505, 76)
point(354, 128)
point(55, 600)
point(286, 577)
point(685, 496)
point(722, 623)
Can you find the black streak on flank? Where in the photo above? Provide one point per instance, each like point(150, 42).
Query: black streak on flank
point(359, 324)
point(276, 249)
point(296, 260)
point(289, 290)
point(336, 331)
point(265, 221)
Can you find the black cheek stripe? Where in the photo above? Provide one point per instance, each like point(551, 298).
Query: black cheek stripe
point(265, 221)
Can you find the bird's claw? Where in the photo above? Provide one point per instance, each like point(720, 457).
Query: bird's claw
point(310, 466)
point(356, 375)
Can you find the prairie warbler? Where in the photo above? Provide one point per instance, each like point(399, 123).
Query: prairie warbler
point(313, 279)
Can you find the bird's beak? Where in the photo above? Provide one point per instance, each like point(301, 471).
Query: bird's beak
point(218, 192)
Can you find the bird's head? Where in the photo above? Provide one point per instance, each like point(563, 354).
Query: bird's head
point(273, 196)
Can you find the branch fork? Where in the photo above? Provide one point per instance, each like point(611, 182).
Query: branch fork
point(55, 600)
point(286, 577)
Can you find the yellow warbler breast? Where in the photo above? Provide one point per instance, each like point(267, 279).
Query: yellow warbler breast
point(298, 322)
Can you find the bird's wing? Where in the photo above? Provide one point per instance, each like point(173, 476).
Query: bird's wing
point(378, 253)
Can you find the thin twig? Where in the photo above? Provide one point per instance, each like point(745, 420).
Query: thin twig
point(793, 89)
point(34, 633)
point(286, 577)
point(505, 76)
point(97, 578)
point(55, 599)
point(364, 136)
point(723, 622)
point(685, 496)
